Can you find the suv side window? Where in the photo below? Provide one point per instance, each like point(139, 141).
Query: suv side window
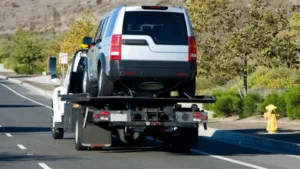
point(97, 37)
point(100, 32)
point(103, 28)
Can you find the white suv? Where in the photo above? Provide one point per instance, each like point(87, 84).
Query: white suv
point(142, 50)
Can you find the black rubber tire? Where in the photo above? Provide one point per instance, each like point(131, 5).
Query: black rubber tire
point(86, 86)
point(189, 88)
point(165, 144)
point(79, 134)
point(141, 140)
point(105, 86)
point(56, 133)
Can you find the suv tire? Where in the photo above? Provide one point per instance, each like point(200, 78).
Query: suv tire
point(105, 86)
point(189, 88)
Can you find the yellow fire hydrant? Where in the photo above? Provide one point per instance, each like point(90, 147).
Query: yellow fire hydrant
point(271, 116)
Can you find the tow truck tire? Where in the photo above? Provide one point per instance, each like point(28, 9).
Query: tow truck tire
point(105, 86)
point(186, 140)
point(79, 134)
point(57, 133)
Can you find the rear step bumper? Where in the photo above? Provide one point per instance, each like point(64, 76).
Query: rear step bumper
point(152, 69)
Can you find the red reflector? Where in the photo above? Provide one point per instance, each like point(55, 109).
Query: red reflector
point(116, 47)
point(162, 130)
point(197, 115)
point(129, 73)
point(204, 117)
point(131, 129)
point(104, 113)
point(96, 116)
point(192, 49)
point(181, 74)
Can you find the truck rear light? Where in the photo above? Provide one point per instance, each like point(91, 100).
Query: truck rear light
point(104, 113)
point(116, 47)
point(197, 115)
point(192, 49)
point(96, 116)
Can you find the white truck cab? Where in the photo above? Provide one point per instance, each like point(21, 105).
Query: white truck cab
point(72, 82)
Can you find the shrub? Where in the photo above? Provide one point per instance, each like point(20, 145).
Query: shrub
point(275, 78)
point(9, 63)
point(276, 99)
point(292, 99)
point(38, 69)
point(227, 104)
point(216, 93)
point(250, 104)
point(23, 69)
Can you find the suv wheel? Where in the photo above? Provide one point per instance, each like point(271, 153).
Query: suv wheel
point(105, 86)
point(189, 88)
point(86, 86)
point(84, 83)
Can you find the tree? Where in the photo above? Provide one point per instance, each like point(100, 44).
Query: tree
point(71, 40)
point(234, 41)
point(213, 21)
point(27, 47)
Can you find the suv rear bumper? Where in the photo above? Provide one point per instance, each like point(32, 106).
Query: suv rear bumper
point(130, 70)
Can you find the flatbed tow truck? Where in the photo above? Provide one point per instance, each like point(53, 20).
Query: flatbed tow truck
point(94, 120)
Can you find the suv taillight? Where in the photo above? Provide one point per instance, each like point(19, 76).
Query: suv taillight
point(192, 49)
point(116, 47)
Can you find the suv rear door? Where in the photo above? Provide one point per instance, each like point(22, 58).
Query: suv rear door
point(154, 36)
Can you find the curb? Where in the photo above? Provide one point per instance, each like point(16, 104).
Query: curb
point(44, 93)
point(250, 141)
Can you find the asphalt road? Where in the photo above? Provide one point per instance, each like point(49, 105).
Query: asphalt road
point(26, 143)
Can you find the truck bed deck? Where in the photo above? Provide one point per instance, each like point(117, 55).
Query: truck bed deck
point(86, 100)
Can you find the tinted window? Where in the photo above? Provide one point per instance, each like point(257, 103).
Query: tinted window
point(97, 37)
point(163, 27)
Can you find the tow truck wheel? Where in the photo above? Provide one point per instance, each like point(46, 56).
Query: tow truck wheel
point(78, 135)
point(57, 133)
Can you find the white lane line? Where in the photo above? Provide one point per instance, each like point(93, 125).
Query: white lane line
point(21, 146)
point(228, 159)
point(221, 158)
point(25, 96)
point(44, 166)
point(8, 134)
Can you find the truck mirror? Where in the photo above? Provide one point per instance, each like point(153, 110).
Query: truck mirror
point(87, 41)
point(52, 69)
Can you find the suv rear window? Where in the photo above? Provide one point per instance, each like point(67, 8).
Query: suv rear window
point(163, 27)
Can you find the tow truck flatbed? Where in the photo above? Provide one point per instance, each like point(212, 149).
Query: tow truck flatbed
point(86, 100)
